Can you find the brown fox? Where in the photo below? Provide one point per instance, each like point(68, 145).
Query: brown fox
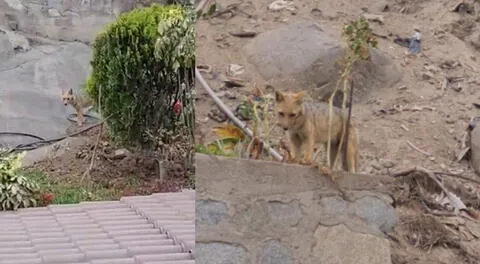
point(307, 124)
point(80, 103)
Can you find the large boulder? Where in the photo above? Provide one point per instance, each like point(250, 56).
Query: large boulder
point(303, 56)
point(31, 84)
point(6, 48)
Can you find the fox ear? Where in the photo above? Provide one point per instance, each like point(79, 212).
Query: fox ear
point(298, 97)
point(279, 97)
point(70, 91)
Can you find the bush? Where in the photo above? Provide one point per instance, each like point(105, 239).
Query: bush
point(135, 89)
point(16, 190)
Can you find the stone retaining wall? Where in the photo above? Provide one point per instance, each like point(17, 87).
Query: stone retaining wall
point(270, 213)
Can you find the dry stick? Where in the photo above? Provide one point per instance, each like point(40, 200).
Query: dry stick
point(454, 200)
point(453, 175)
point(92, 161)
point(345, 123)
point(229, 113)
point(330, 114)
point(330, 120)
point(418, 149)
point(201, 5)
point(347, 132)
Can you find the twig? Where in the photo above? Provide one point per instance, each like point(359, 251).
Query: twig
point(201, 5)
point(454, 200)
point(418, 149)
point(347, 125)
point(230, 115)
point(92, 161)
point(444, 173)
point(456, 176)
point(229, 9)
point(246, 34)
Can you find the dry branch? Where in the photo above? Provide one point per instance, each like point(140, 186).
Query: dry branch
point(418, 149)
point(456, 202)
point(230, 114)
point(92, 161)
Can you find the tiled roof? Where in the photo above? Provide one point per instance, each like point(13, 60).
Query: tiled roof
point(154, 229)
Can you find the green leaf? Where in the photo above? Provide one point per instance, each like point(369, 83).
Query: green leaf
point(212, 9)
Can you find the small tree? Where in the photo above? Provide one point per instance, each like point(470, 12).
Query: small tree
point(359, 39)
point(140, 92)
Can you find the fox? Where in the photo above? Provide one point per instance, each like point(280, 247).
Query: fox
point(80, 103)
point(306, 124)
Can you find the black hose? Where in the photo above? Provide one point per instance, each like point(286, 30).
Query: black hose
point(20, 134)
point(42, 141)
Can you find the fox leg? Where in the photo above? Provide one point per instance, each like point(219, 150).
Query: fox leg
point(80, 117)
point(308, 145)
point(295, 147)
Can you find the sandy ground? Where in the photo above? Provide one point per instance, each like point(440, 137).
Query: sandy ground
point(415, 112)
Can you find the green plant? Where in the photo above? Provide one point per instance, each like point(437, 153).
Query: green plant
point(359, 39)
point(69, 191)
point(180, 34)
point(135, 89)
point(16, 190)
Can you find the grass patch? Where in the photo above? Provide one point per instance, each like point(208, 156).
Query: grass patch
point(71, 192)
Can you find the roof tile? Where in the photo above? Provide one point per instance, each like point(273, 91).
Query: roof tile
point(154, 229)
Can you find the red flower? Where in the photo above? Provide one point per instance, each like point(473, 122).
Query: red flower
point(177, 107)
point(47, 198)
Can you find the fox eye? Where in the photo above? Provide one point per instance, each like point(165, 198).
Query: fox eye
point(281, 114)
point(292, 115)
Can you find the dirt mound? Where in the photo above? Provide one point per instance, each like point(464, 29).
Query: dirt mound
point(127, 172)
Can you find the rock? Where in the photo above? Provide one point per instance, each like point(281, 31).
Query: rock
point(388, 164)
point(210, 212)
point(6, 49)
point(380, 6)
point(219, 253)
point(235, 69)
point(32, 82)
point(354, 248)
point(16, 4)
point(53, 12)
point(273, 252)
point(284, 213)
point(475, 149)
point(18, 42)
point(120, 153)
point(376, 213)
point(301, 55)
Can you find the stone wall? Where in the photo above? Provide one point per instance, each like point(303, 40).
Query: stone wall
point(270, 213)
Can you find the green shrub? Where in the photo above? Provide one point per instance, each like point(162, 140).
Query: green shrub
point(134, 87)
point(16, 190)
